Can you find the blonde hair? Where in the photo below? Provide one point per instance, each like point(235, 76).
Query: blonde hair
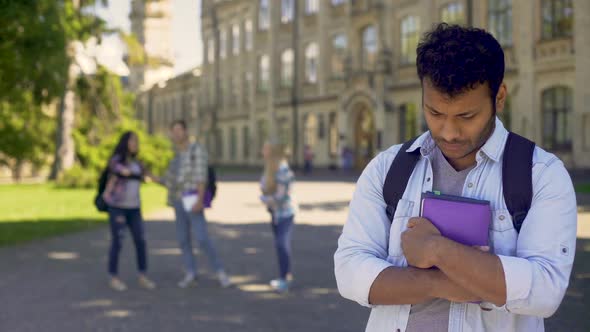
point(271, 166)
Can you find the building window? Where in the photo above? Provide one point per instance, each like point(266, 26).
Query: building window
point(500, 20)
point(263, 15)
point(211, 50)
point(233, 143)
point(219, 142)
point(311, 63)
point(410, 38)
point(264, 73)
point(212, 92)
point(222, 43)
point(312, 6)
point(287, 7)
point(369, 52)
point(235, 32)
point(453, 13)
point(285, 136)
point(333, 135)
point(246, 87)
point(409, 121)
point(246, 142)
point(339, 45)
point(321, 127)
point(557, 122)
point(249, 35)
point(287, 68)
point(310, 130)
point(262, 134)
point(234, 89)
point(558, 19)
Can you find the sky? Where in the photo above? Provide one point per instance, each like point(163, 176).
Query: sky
point(186, 36)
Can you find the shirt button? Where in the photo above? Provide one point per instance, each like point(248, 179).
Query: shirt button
point(470, 185)
point(481, 153)
point(502, 217)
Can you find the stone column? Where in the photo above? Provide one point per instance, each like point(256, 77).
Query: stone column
point(524, 119)
point(581, 116)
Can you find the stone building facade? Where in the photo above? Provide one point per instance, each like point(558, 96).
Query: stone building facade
point(336, 74)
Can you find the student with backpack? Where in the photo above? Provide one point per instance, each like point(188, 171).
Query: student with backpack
point(121, 182)
point(400, 265)
point(191, 188)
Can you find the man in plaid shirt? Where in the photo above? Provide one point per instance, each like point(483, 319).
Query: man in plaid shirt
point(187, 173)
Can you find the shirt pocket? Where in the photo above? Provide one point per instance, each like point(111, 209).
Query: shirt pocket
point(399, 224)
point(502, 235)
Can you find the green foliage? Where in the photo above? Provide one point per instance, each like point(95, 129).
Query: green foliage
point(77, 177)
point(583, 188)
point(134, 49)
point(36, 50)
point(32, 50)
point(105, 112)
point(137, 55)
point(26, 132)
point(34, 39)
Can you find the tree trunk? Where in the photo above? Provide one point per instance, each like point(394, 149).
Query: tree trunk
point(17, 171)
point(64, 144)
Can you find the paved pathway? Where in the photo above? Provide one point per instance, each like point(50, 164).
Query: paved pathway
point(60, 284)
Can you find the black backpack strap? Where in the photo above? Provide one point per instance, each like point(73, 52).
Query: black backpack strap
point(517, 177)
point(398, 176)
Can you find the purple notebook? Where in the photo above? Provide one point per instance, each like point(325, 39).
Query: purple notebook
point(461, 219)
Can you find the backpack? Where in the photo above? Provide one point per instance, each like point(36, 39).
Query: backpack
point(211, 178)
point(517, 177)
point(99, 201)
point(212, 181)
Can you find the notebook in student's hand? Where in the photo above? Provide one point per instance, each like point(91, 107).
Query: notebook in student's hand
point(461, 219)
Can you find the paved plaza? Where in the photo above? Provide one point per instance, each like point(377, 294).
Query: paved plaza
point(60, 284)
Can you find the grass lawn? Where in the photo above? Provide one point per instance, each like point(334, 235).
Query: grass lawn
point(29, 212)
point(583, 188)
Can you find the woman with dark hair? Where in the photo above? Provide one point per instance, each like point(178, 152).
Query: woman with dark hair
point(122, 196)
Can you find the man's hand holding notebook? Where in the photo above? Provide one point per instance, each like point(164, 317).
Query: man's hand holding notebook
point(461, 219)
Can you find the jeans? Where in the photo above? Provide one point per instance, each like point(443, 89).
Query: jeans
point(282, 230)
point(185, 221)
point(307, 166)
point(118, 220)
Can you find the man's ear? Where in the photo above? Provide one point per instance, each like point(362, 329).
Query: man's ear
point(501, 98)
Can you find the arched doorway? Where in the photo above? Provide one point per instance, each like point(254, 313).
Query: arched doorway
point(364, 136)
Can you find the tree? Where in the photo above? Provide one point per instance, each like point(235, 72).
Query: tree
point(32, 58)
point(80, 26)
point(24, 128)
point(37, 66)
point(106, 111)
point(33, 55)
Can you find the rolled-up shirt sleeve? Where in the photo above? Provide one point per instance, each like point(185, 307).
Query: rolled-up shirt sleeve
point(363, 245)
point(537, 278)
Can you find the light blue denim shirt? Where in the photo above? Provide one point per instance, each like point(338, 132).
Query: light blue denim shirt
point(537, 262)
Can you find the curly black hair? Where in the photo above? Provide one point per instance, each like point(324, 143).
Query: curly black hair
point(456, 59)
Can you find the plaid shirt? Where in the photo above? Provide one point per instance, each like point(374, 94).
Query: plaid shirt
point(186, 171)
